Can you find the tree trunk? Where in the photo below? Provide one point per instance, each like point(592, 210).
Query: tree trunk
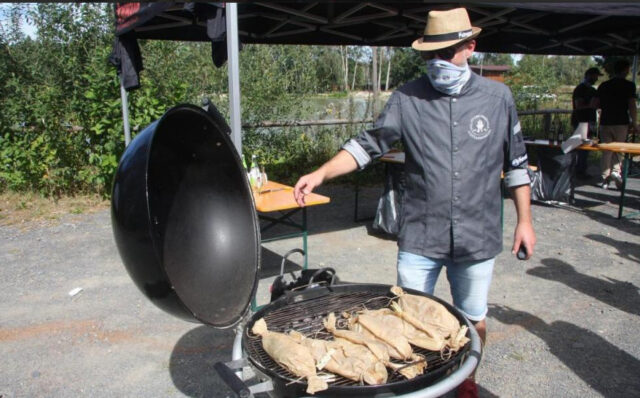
point(374, 77)
point(355, 72)
point(386, 83)
point(381, 63)
point(345, 67)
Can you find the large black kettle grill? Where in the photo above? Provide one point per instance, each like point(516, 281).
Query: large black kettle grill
point(186, 228)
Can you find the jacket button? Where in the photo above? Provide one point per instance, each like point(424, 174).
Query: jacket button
point(455, 123)
point(456, 174)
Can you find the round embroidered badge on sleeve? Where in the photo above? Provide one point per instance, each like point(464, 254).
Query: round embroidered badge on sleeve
point(479, 127)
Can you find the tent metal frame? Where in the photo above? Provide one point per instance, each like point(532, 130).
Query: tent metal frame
point(397, 23)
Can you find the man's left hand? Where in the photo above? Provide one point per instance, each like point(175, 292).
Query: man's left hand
point(524, 235)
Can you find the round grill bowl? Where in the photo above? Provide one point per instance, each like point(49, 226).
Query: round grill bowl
point(303, 311)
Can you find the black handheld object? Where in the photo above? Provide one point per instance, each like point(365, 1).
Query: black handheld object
point(234, 382)
point(522, 252)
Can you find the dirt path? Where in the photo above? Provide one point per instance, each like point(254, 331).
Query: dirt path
point(561, 325)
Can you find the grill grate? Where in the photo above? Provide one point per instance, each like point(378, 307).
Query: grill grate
point(306, 317)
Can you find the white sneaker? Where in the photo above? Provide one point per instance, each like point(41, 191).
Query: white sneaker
point(604, 183)
point(617, 179)
point(616, 176)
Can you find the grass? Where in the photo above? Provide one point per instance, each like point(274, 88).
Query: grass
point(26, 209)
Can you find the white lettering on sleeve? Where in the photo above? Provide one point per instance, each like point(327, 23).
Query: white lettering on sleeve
point(519, 161)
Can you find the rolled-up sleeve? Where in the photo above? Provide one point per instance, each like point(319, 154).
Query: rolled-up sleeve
point(357, 151)
point(373, 143)
point(514, 178)
point(515, 152)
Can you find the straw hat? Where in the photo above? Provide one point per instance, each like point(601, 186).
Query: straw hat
point(446, 28)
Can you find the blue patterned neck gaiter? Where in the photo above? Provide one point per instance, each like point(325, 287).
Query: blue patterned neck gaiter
point(447, 77)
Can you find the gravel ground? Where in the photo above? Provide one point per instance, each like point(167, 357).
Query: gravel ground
point(564, 324)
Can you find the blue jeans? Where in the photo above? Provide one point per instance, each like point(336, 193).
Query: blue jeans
point(469, 280)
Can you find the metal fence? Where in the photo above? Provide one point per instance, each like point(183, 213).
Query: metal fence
point(539, 123)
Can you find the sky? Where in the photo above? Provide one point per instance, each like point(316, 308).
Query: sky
point(27, 28)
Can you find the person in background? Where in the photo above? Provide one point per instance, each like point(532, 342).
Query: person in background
point(584, 110)
point(616, 99)
point(460, 131)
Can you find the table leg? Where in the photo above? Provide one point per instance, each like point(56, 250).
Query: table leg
point(625, 171)
point(357, 189)
point(304, 237)
point(502, 204)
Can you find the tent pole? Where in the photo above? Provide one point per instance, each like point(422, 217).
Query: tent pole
point(633, 79)
point(125, 114)
point(234, 75)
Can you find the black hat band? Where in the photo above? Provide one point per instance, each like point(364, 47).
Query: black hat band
point(448, 36)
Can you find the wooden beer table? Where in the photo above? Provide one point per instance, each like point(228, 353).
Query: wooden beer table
point(275, 197)
point(626, 148)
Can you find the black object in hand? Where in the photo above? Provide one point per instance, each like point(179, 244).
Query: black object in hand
point(522, 253)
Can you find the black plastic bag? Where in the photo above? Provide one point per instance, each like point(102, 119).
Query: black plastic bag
point(390, 204)
point(553, 181)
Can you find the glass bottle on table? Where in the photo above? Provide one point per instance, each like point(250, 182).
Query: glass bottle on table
point(255, 177)
point(263, 176)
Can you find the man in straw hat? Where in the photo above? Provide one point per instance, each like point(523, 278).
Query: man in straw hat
point(459, 131)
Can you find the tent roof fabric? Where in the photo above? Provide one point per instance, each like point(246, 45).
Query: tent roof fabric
point(571, 28)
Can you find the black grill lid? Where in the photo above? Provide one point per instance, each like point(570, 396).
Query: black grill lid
point(184, 219)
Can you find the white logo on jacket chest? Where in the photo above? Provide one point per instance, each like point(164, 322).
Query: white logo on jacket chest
point(479, 127)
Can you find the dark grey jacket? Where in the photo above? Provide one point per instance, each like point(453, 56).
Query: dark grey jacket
point(456, 148)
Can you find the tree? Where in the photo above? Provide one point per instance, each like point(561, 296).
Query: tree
point(491, 59)
point(607, 63)
point(344, 56)
point(389, 56)
point(532, 81)
point(328, 66)
point(408, 65)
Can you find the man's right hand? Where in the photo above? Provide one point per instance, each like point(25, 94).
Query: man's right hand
point(338, 165)
point(306, 184)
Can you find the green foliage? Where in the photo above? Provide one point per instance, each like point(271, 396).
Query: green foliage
point(407, 65)
point(328, 68)
point(491, 59)
point(606, 64)
point(61, 129)
point(275, 77)
point(103, 116)
point(545, 82)
point(61, 124)
point(532, 82)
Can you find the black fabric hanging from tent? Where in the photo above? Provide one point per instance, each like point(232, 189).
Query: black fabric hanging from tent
point(187, 22)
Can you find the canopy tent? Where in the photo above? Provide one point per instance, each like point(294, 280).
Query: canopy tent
point(571, 28)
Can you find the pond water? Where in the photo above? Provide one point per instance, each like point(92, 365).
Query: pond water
point(356, 107)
